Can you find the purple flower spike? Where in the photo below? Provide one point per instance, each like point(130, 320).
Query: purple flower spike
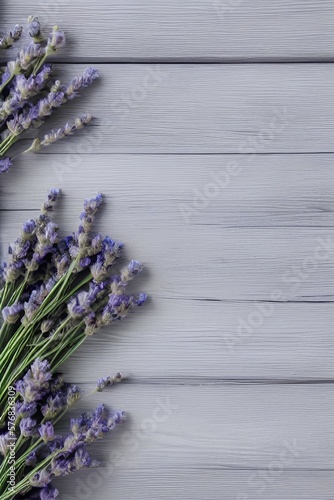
point(53, 195)
point(5, 165)
point(12, 313)
point(41, 478)
point(91, 205)
point(49, 493)
point(9, 38)
point(56, 40)
point(131, 270)
point(142, 298)
point(47, 432)
point(28, 427)
point(34, 28)
point(29, 227)
point(87, 78)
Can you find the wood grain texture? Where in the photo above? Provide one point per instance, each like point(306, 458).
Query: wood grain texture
point(245, 109)
point(215, 30)
point(206, 301)
point(213, 263)
point(195, 484)
point(219, 178)
point(222, 427)
point(180, 190)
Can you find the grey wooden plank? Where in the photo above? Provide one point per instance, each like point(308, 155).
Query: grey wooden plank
point(195, 342)
point(210, 262)
point(211, 320)
point(271, 191)
point(194, 484)
point(220, 427)
point(246, 109)
point(220, 30)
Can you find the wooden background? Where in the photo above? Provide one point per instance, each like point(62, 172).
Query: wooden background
point(213, 144)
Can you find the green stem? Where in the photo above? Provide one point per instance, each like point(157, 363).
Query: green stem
point(25, 482)
point(6, 83)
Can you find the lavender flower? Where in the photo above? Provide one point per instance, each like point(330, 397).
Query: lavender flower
point(87, 78)
point(5, 441)
point(23, 89)
point(55, 41)
point(35, 382)
point(53, 196)
point(24, 410)
point(5, 165)
point(61, 455)
point(131, 270)
point(28, 427)
point(102, 383)
point(47, 431)
point(41, 478)
point(64, 291)
point(61, 133)
point(27, 55)
point(34, 29)
point(12, 313)
point(21, 83)
point(10, 37)
point(49, 493)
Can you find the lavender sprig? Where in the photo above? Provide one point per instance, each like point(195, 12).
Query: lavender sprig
point(11, 37)
point(60, 133)
point(23, 83)
point(41, 454)
point(58, 291)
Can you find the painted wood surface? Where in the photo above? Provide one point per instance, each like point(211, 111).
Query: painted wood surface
point(188, 30)
point(198, 108)
point(219, 177)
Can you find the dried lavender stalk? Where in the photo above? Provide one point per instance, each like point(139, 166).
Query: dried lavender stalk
point(58, 291)
point(39, 400)
point(28, 97)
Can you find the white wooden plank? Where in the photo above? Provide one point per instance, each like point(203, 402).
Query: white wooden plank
point(245, 109)
point(220, 30)
point(222, 427)
point(211, 262)
point(194, 484)
point(273, 190)
point(194, 341)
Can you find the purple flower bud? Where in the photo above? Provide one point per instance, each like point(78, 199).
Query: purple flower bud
point(29, 227)
point(91, 205)
point(73, 394)
point(53, 196)
point(131, 270)
point(48, 493)
point(82, 458)
point(47, 432)
point(5, 165)
point(34, 27)
point(31, 459)
point(11, 314)
point(10, 37)
point(102, 383)
point(24, 410)
point(5, 441)
point(88, 77)
point(56, 40)
point(28, 427)
point(41, 478)
point(141, 299)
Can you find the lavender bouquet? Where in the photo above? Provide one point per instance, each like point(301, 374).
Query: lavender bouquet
point(28, 95)
point(33, 454)
point(55, 291)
